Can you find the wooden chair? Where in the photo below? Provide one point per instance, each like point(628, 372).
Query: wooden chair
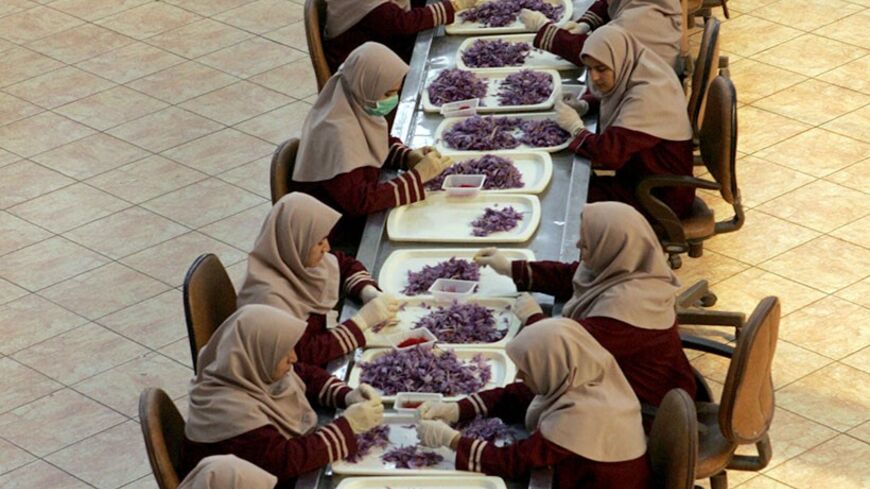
point(209, 299)
point(163, 430)
point(283, 162)
point(745, 411)
point(703, 72)
point(706, 7)
point(673, 442)
point(315, 20)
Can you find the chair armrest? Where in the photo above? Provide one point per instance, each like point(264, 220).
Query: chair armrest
point(711, 318)
point(706, 346)
point(664, 215)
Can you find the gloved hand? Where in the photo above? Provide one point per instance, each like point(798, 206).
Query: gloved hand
point(576, 102)
point(445, 411)
point(417, 155)
point(568, 118)
point(533, 20)
point(364, 416)
point(491, 257)
point(368, 293)
point(577, 27)
point(432, 166)
point(463, 4)
point(526, 307)
point(362, 393)
point(435, 434)
point(378, 310)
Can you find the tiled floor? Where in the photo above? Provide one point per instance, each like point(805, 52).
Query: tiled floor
point(135, 134)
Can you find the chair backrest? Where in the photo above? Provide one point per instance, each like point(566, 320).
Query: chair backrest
point(209, 299)
point(704, 71)
point(315, 19)
point(283, 162)
point(746, 406)
point(673, 442)
point(163, 430)
point(718, 137)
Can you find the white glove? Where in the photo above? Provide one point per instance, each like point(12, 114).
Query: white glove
point(577, 27)
point(526, 307)
point(369, 293)
point(417, 155)
point(576, 102)
point(491, 257)
point(381, 309)
point(533, 20)
point(364, 416)
point(445, 411)
point(568, 118)
point(362, 393)
point(435, 434)
point(432, 165)
point(463, 4)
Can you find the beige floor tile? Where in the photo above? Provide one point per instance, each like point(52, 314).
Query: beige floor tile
point(155, 322)
point(859, 360)
point(857, 232)
point(165, 129)
point(6, 45)
point(9, 291)
point(40, 474)
point(15, 6)
point(35, 23)
point(840, 462)
point(812, 327)
point(743, 291)
point(292, 35)
point(90, 156)
point(760, 129)
point(18, 234)
point(95, 9)
point(762, 237)
point(18, 64)
point(70, 357)
point(111, 108)
point(862, 432)
point(792, 362)
point(235, 103)
point(21, 385)
point(253, 177)
point(221, 151)
point(850, 75)
point(146, 482)
point(69, 207)
point(711, 266)
point(810, 54)
point(54, 422)
point(748, 5)
point(262, 15)
point(821, 205)
point(761, 481)
point(859, 293)
point(130, 62)
point(182, 82)
point(760, 180)
point(148, 20)
point(103, 291)
point(279, 125)
point(237, 273)
point(14, 108)
point(825, 263)
point(108, 459)
point(199, 38)
point(241, 229)
point(47, 263)
point(25, 180)
point(755, 80)
point(178, 351)
point(135, 182)
point(806, 15)
point(834, 396)
point(851, 30)
point(813, 102)
point(816, 152)
point(126, 232)
point(209, 7)
point(791, 436)
point(295, 79)
point(203, 202)
point(170, 260)
point(740, 35)
point(41, 132)
point(855, 124)
point(79, 43)
point(12, 457)
point(251, 57)
point(31, 319)
point(7, 158)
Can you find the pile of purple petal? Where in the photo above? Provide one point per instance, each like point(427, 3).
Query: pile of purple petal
point(496, 53)
point(411, 457)
point(494, 220)
point(542, 133)
point(375, 437)
point(500, 173)
point(455, 268)
point(525, 87)
point(462, 323)
point(487, 429)
point(455, 84)
point(483, 133)
point(425, 369)
point(499, 13)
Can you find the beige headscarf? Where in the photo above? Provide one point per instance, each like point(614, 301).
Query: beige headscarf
point(647, 96)
point(234, 392)
point(341, 15)
point(585, 405)
point(227, 472)
point(628, 277)
point(277, 275)
point(338, 135)
point(657, 24)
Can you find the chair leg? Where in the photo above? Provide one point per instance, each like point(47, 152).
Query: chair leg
point(675, 261)
point(719, 481)
point(696, 249)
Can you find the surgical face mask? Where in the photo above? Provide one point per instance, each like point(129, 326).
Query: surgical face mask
point(384, 106)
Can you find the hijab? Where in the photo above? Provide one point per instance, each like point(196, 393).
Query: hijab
point(657, 24)
point(341, 15)
point(628, 277)
point(646, 96)
point(277, 275)
point(233, 391)
point(584, 404)
point(227, 472)
point(338, 135)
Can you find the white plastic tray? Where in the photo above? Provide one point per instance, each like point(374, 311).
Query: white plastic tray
point(468, 481)
point(493, 79)
point(393, 275)
point(537, 59)
point(535, 166)
point(460, 27)
point(415, 309)
point(503, 369)
point(451, 121)
point(444, 219)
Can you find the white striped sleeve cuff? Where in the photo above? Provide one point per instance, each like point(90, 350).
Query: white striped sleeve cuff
point(336, 445)
point(550, 31)
point(356, 279)
point(345, 338)
point(475, 454)
point(478, 404)
point(328, 392)
point(439, 13)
